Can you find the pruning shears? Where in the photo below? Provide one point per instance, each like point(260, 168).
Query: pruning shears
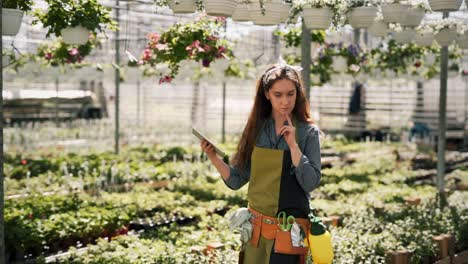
point(287, 221)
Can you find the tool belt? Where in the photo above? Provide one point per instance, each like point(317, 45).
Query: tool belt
point(268, 227)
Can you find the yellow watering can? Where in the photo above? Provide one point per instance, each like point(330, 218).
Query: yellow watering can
point(319, 241)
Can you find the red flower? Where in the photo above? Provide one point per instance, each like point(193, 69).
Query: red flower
point(220, 51)
point(30, 216)
point(24, 162)
point(164, 79)
point(417, 64)
point(194, 48)
point(48, 56)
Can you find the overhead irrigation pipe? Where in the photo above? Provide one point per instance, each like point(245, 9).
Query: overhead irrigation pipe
point(305, 58)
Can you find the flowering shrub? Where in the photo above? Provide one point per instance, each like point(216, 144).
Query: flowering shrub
point(60, 53)
point(198, 41)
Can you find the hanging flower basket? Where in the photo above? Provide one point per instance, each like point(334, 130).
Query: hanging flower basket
point(339, 64)
point(424, 39)
point(182, 6)
point(75, 35)
point(405, 36)
point(222, 8)
point(241, 13)
point(317, 18)
point(395, 13)
point(272, 14)
point(362, 17)
point(414, 17)
point(445, 5)
point(446, 36)
point(462, 40)
point(378, 29)
point(11, 21)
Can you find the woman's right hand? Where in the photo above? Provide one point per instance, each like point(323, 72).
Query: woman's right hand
point(208, 149)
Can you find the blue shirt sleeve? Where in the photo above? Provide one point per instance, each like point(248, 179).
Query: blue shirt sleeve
point(308, 173)
point(237, 177)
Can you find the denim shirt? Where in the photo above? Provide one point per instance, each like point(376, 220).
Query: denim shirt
point(308, 170)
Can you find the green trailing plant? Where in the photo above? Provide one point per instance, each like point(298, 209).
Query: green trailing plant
point(87, 13)
point(24, 5)
point(198, 41)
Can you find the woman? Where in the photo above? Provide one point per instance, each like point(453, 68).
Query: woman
point(279, 153)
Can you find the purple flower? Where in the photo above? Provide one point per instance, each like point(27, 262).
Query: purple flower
point(206, 62)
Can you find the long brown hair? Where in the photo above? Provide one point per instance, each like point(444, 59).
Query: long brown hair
point(262, 109)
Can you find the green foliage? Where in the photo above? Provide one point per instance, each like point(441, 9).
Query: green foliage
point(24, 5)
point(88, 13)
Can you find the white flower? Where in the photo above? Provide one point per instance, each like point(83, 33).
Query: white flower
point(354, 68)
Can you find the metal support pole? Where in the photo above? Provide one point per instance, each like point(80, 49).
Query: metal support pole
point(305, 58)
point(223, 132)
point(442, 123)
point(117, 80)
point(138, 101)
point(465, 136)
point(2, 193)
point(57, 101)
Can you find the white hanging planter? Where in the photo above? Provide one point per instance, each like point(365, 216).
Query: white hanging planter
point(378, 29)
point(425, 39)
point(339, 64)
point(284, 12)
point(446, 36)
point(362, 17)
point(11, 21)
point(414, 17)
point(317, 18)
point(241, 13)
point(272, 12)
point(395, 13)
point(75, 35)
point(430, 58)
point(222, 8)
point(452, 74)
point(462, 40)
point(405, 36)
point(445, 5)
point(182, 6)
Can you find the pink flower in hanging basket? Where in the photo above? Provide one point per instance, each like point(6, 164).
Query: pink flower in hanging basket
point(220, 51)
point(73, 52)
point(160, 46)
point(465, 72)
point(153, 39)
point(48, 56)
point(147, 54)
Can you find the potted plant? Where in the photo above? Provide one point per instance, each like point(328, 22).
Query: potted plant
point(445, 5)
point(223, 8)
point(446, 31)
point(361, 13)
point(424, 35)
point(197, 41)
point(59, 53)
point(241, 12)
point(75, 19)
point(394, 11)
point(402, 35)
point(319, 14)
point(378, 28)
point(417, 10)
point(268, 12)
point(12, 15)
point(181, 6)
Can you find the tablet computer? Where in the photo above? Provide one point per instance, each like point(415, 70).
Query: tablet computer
point(200, 136)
